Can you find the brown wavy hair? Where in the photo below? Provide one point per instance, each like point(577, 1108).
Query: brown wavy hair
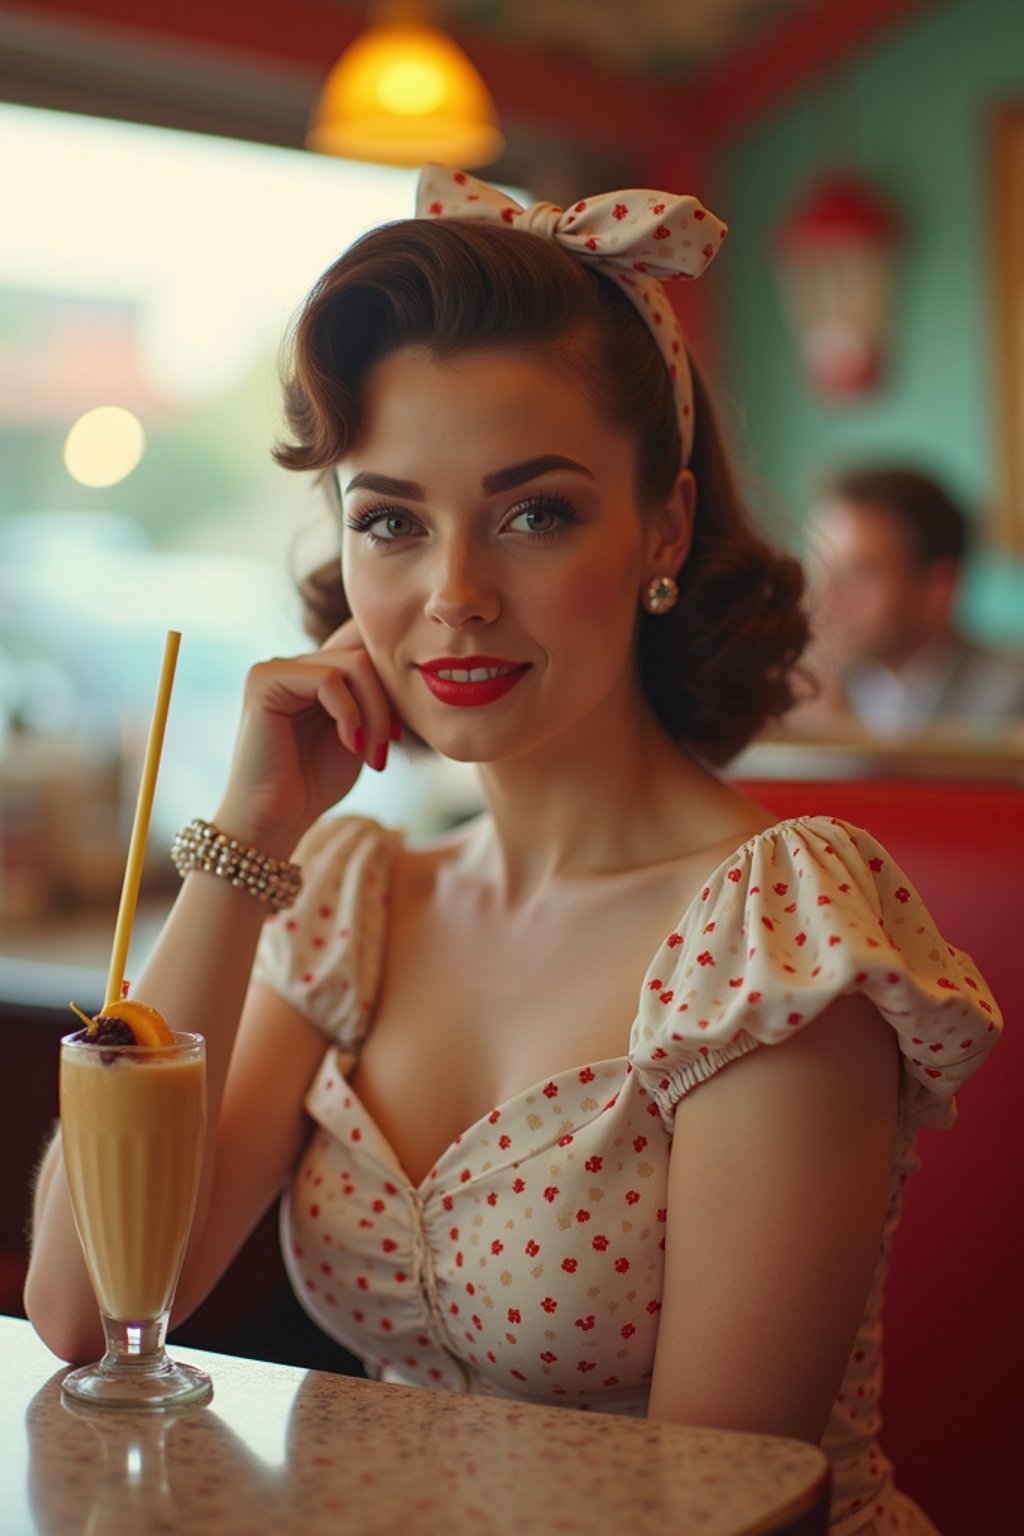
point(719, 666)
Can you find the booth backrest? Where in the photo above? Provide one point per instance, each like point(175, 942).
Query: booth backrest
point(954, 1310)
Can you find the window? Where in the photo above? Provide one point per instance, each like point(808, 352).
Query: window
point(153, 271)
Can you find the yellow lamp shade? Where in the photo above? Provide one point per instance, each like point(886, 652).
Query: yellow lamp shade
point(404, 93)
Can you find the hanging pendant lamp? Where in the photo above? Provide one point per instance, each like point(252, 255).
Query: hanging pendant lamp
point(404, 93)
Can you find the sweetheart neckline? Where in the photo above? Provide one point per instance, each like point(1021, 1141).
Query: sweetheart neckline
point(737, 853)
point(429, 1178)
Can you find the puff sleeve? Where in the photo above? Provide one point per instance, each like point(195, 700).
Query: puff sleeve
point(324, 954)
point(806, 912)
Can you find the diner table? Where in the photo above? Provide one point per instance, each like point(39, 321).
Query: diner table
point(283, 1450)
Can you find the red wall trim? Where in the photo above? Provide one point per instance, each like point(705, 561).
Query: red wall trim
point(564, 95)
point(302, 33)
point(752, 81)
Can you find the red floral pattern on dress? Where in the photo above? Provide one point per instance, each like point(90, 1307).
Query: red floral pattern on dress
point(490, 1275)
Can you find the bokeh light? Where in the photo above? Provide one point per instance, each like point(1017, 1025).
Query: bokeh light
point(104, 446)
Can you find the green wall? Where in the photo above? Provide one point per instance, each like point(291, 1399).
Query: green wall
point(914, 117)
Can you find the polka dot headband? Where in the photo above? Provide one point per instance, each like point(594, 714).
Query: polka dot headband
point(637, 237)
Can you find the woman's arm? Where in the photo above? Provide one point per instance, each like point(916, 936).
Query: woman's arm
point(198, 979)
point(778, 1188)
point(295, 756)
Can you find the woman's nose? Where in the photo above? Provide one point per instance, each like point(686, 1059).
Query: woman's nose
point(462, 591)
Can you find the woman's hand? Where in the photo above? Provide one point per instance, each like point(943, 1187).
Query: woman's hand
point(308, 725)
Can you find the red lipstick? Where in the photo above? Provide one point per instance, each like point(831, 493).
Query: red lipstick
point(465, 692)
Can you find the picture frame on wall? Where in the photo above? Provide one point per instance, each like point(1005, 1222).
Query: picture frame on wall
point(1008, 325)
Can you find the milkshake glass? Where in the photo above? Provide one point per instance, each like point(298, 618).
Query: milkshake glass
point(132, 1124)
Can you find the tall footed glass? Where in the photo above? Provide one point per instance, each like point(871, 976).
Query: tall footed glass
point(132, 1124)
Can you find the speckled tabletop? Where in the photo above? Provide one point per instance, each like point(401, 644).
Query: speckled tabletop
point(281, 1450)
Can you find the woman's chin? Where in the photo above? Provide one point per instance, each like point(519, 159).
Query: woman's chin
point(472, 753)
point(470, 746)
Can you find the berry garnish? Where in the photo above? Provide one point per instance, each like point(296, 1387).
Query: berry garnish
point(145, 1025)
point(111, 1032)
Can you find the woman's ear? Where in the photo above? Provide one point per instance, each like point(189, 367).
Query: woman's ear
point(671, 527)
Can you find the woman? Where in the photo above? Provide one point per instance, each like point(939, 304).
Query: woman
point(521, 1180)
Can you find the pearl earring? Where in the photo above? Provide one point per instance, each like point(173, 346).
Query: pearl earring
point(661, 594)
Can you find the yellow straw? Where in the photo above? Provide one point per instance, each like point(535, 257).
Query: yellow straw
point(140, 827)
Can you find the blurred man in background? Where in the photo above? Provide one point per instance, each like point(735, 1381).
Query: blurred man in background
point(887, 548)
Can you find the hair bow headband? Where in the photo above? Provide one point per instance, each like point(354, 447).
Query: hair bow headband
point(637, 237)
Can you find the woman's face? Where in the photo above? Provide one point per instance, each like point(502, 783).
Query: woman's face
point(491, 527)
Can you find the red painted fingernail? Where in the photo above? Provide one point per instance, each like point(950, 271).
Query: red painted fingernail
point(396, 728)
point(359, 738)
point(380, 761)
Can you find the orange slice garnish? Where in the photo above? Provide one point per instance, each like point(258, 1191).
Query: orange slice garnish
point(145, 1023)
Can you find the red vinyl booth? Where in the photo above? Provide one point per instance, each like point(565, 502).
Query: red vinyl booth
point(954, 1309)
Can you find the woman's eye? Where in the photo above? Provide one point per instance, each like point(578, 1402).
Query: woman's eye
point(393, 525)
point(545, 515)
point(383, 523)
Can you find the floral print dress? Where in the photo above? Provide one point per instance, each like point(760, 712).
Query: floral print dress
point(529, 1261)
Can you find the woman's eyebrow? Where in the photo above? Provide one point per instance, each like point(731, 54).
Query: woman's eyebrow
point(529, 469)
point(501, 480)
point(385, 485)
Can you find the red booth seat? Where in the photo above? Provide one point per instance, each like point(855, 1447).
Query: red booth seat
point(954, 1344)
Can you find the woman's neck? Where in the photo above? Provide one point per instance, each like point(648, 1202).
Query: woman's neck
point(597, 800)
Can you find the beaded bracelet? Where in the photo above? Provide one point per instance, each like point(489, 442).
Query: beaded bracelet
point(201, 845)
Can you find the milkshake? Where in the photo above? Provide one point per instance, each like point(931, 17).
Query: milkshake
point(133, 1119)
point(132, 1123)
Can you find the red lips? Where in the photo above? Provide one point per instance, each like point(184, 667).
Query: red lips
point(450, 690)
